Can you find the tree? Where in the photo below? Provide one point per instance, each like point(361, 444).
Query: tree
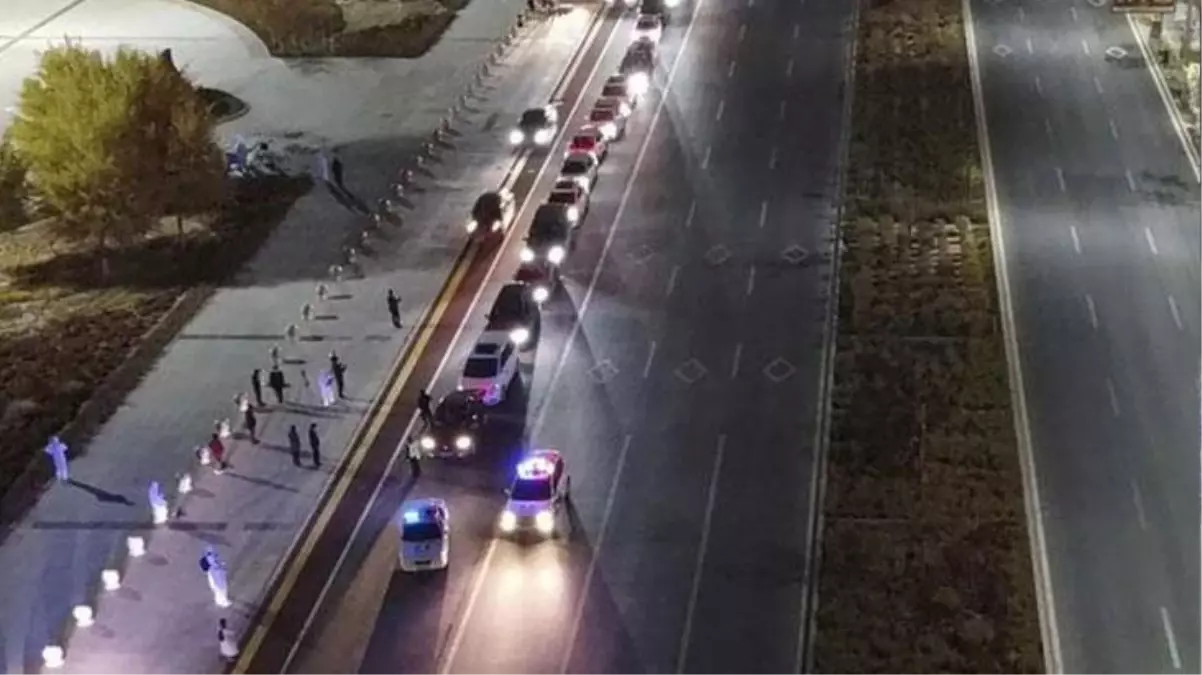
point(111, 145)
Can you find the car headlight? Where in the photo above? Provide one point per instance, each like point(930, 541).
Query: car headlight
point(516, 136)
point(509, 521)
point(463, 442)
point(527, 254)
point(471, 226)
point(573, 214)
point(556, 254)
point(519, 336)
point(609, 129)
point(540, 294)
point(542, 136)
point(544, 522)
point(671, 3)
point(428, 442)
point(624, 108)
point(638, 83)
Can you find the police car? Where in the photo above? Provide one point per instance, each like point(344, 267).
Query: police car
point(492, 367)
point(540, 490)
point(454, 425)
point(425, 530)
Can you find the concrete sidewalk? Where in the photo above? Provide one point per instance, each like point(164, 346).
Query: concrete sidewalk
point(164, 619)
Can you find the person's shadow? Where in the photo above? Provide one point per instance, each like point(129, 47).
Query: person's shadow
point(101, 495)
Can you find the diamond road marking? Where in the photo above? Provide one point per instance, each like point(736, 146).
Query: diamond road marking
point(642, 254)
point(718, 255)
point(795, 254)
point(779, 370)
point(1116, 52)
point(690, 371)
point(604, 371)
point(1003, 51)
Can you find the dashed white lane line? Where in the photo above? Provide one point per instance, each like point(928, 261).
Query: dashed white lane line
point(1170, 637)
point(1060, 180)
point(1047, 127)
point(1176, 313)
point(772, 159)
point(751, 3)
point(688, 219)
point(1114, 131)
point(1030, 47)
point(650, 359)
point(687, 634)
point(796, 31)
point(730, 72)
point(1072, 229)
point(751, 280)
point(1022, 16)
point(789, 69)
point(1097, 85)
point(781, 113)
point(734, 364)
point(1085, 47)
point(1038, 85)
point(705, 161)
point(742, 32)
point(1114, 397)
point(1151, 241)
point(763, 213)
point(1093, 311)
point(1137, 499)
point(1130, 181)
point(672, 278)
point(721, 109)
point(1073, 11)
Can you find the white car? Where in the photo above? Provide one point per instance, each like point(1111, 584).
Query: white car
point(572, 195)
point(580, 167)
point(425, 528)
point(649, 27)
point(491, 368)
point(607, 117)
point(539, 492)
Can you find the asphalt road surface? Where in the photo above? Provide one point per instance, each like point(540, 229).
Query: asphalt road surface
point(1100, 209)
point(677, 371)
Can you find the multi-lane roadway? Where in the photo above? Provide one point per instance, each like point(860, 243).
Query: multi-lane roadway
point(678, 372)
point(1099, 208)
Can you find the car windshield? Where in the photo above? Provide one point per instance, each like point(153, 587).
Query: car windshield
point(585, 142)
point(479, 368)
point(647, 23)
point(574, 167)
point(613, 90)
point(451, 412)
point(487, 206)
point(424, 531)
point(531, 491)
point(533, 118)
point(562, 197)
point(508, 304)
point(601, 114)
point(548, 226)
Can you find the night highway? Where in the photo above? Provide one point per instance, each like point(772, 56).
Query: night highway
point(678, 372)
point(1099, 206)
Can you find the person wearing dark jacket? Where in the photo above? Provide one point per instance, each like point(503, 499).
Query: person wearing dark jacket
point(338, 369)
point(275, 380)
point(315, 445)
point(294, 444)
point(256, 385)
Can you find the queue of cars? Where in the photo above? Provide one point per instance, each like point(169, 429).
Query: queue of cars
point(541, 487)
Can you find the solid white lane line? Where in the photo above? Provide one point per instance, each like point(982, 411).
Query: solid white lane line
point(1114, 397)
point(672, 278)
point(1151, 241)
point(1076, 239)
point(1139, 506)
point(721, 109)
point(734, 365)
point(1085, 47)
point(763, 213)
point(781, 113)
point(1131, 181)
point(1038, 85)
point(751, 280)
point(772, 159)
point(592, 563)
point(650, 358)
point(1170, 637)
point(1060, 180)
point(687, 634)
point(730, 72)
point(1073, 11)
point(688, 219)
point(789, 69)
point(1176, 313)
point(1047, 127)
point(1030, 47)
point(1097, 85)
point(1114, 130)
point(1093, 311)
point(742, 32)
point(796, 31)
point(705, 161)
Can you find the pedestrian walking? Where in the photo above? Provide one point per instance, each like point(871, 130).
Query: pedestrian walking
point(217, 452)
point(158, 502)
point(227, 642)
point(256, 385)
point(326, 387)
point(423, 407)
point(415, 466)
point(58, 455)
point(294, 444)
point(336, 169)
point(275, 380)
point(315, 445)
point(214, 569)
point(338, 369)
point(394, 308)
point(251, 422)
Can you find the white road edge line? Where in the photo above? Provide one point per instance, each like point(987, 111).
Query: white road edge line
point(763, 213)
point(1076, 239)
point(789, 68)
point(781, 112)
point(1097, 85)
point(751, 280)
point(1114, 133)
point(705, 161)
point(1060, 180)
point(1151, 240)
point(721, 109)
point(1085, 47)
point(1131, 181)
point(796, 31)
point(772, 158)
point(1137, 499)
point(1030, 47)
point(1093, 311)
point(672, 279)
point(1073, 11)
point(686, 635)
point(610, 498)
point(1114, 397)
point(1047, 127)
point(730, 72)
point(742, 32)
point(1165, 97)
point(1045, 594)
point(1170, 637)
point(734, 365)
point(688, 219)
point(1022, 16)
point(1176, 313)
point(650, 358)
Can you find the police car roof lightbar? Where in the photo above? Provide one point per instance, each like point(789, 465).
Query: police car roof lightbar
point(534, 468)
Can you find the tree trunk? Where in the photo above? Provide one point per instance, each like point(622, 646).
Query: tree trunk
point(102, 251)
point(179, 228)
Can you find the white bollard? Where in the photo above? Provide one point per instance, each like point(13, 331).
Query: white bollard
point(111, 579)
point(52, 656)
point(159, 513)
point(83, 616)
point(185, 484)
point(136, 546)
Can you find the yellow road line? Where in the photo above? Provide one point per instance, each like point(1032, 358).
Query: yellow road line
point(377, 419)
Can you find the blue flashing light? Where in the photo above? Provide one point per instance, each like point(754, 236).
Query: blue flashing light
point(535, 468)
point(412, 517)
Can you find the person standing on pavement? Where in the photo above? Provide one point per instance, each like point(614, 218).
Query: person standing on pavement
point(338, 369)
point(275, 380)
point(315, 445)
point(415, 466)
point(58, 455)
point(325, 385)
point(227, 642)
point(394, 308)
point(217, 452)
point(214, 569)
point(251, 422)
point(294, 444)
point(256, 385)
point(423, 407)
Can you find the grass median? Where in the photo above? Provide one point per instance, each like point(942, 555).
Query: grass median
point(926, 564)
